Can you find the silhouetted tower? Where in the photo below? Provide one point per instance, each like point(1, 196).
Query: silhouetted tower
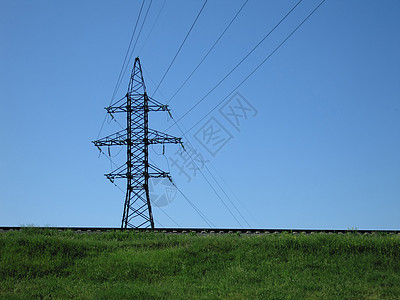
point(137, 137)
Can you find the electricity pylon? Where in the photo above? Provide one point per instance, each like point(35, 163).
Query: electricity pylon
point(137, 137)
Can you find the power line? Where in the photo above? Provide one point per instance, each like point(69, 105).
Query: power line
point(248, 76)
point(122, 67)
point(238, 64)
point(203, 60)
point(120, 80)
point(212, 177)
point(137, 39)
point(226, 195)
point(162, 226)
point(237, 198)
point(127, 52)
point(223, 191)
point(209, 51)
point(152, 81)
point(209, 183)
point(219, 185)
point(162, 209)
point(148, 75)
point(152, 27)
point(180, 47)
point(126, 63)
point(184, 133)
point(168, 217)
point(198, 211)
point(216, 181)
point(205, 219)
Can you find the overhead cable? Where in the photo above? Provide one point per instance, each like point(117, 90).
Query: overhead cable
point(208, 52)
point(239, 63)
point(180, 47)
point(254, 70)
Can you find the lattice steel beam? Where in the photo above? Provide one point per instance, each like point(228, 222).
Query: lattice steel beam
point(137, 137)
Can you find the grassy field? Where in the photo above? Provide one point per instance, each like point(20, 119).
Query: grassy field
point(124, 265)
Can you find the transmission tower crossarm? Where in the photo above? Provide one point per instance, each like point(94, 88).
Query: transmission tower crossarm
point(117, 174)
point(157, 137)
point(156, 105)
point(117, 138)
point(153, 105)
point(120, 138)
point(116, 109)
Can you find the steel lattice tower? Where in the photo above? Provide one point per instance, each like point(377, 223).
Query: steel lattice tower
point(137, 137)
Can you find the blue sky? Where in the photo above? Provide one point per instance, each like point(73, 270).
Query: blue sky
point(320, 149)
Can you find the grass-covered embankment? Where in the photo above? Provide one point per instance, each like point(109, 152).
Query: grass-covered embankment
point(46, 263)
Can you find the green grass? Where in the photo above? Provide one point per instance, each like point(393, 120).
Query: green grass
point(124, 265)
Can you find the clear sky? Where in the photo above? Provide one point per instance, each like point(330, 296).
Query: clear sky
point(319, 146)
